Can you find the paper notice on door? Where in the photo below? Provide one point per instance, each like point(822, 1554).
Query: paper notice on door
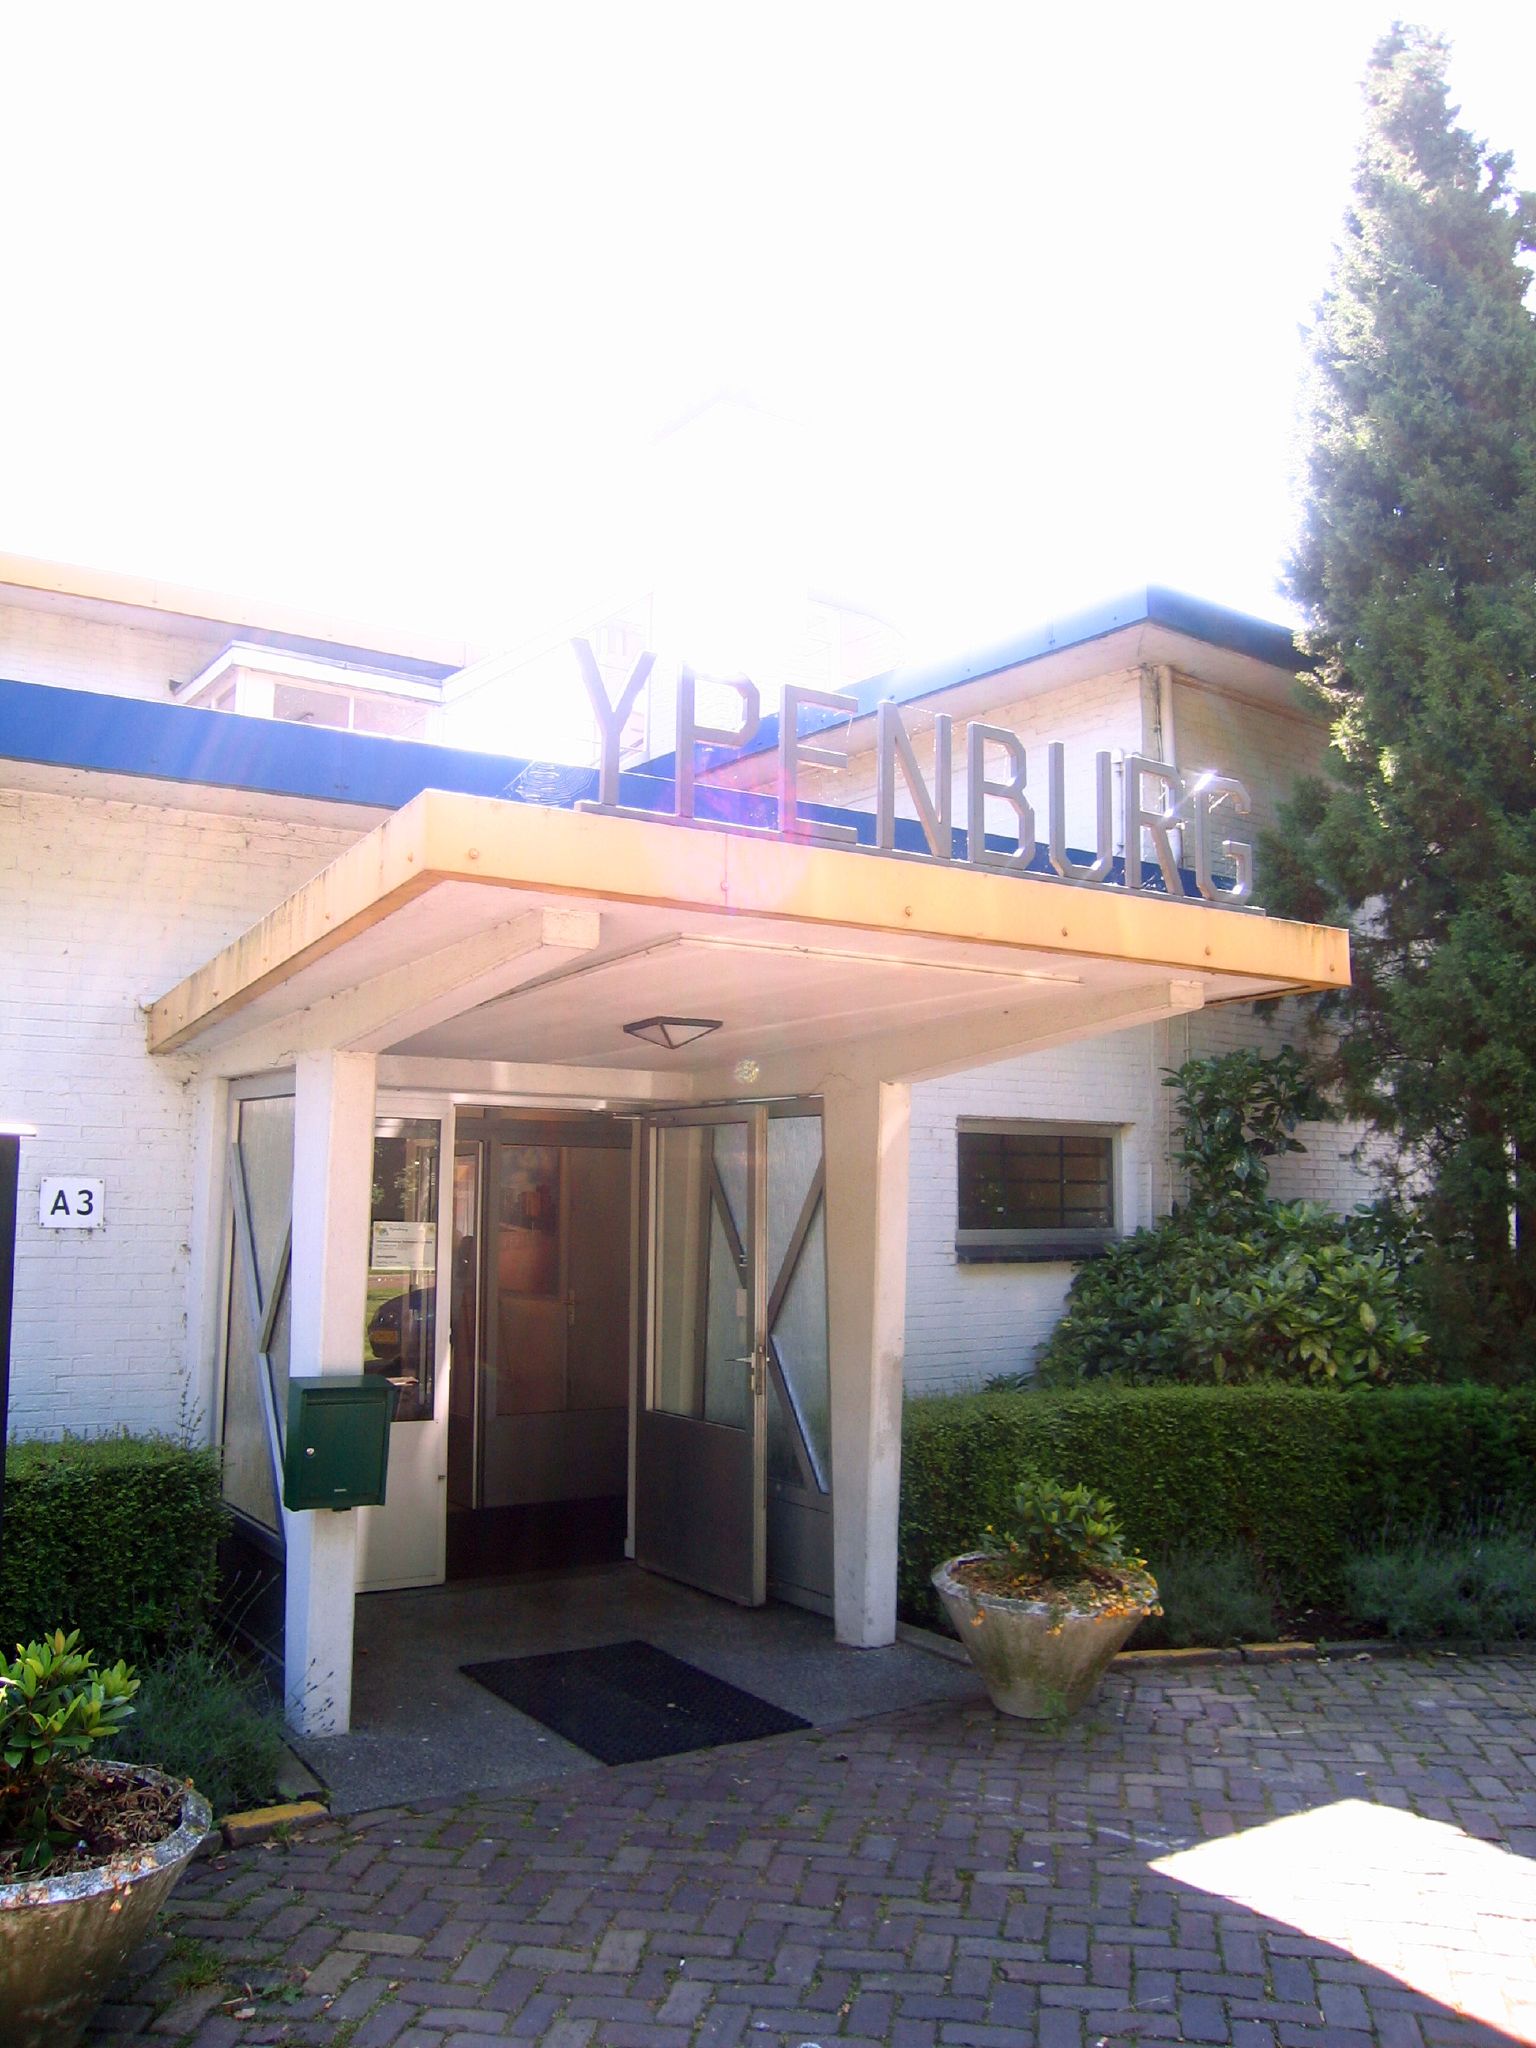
point(404, 1248)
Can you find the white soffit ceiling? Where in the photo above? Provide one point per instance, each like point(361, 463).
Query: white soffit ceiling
point(769, 995)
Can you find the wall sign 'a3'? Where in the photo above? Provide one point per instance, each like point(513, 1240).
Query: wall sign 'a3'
point(69, 1202)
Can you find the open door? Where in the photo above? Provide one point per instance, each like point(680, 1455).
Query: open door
point(700, 1441)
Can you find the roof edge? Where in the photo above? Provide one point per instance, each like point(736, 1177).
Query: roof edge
point(304, 631)
point(1151, 604)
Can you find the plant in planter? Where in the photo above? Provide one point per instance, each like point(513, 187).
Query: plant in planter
point(1044, 1607)
point(89, 1851)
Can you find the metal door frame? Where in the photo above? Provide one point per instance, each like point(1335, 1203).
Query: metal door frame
point(752, 1261)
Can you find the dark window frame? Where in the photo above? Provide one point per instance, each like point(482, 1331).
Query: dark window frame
point(1057, 1241)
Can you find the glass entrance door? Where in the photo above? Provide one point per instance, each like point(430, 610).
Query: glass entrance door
point(701, 1437)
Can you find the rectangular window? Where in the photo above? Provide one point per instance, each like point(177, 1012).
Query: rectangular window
point(1034, 1191)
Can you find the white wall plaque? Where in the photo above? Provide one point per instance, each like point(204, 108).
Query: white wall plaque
point(403, 1248)
point(66, 1202)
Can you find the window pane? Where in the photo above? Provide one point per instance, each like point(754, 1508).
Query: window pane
point(298, 706)
point(400, 717)
point(1035, 1181)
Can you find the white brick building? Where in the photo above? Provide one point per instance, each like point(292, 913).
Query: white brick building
point(265, 923)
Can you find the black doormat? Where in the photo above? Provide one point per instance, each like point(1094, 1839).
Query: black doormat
point(626, 1702)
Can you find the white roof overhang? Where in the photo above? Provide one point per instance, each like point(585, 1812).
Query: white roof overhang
point(467, 931)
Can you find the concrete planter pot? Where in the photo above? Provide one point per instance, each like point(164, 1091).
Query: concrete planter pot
point(1039, 1659)
point(64, 1939)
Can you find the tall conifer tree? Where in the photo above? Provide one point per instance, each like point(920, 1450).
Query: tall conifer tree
point(1416, 572)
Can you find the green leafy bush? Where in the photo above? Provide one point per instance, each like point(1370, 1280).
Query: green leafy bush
point(1479, 1581)
point(1293, 1475)
point(113, 1536)
point(1061, 1532)
point(1211, 1598)
point(1297, 1294)
point(56, 1704)
point(1236, 1287)
point(202, 1716)
point(1235, 1110)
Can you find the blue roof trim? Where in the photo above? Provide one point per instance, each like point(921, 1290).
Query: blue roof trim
point(83, 730)
point(1238, 632)
point(176, 743)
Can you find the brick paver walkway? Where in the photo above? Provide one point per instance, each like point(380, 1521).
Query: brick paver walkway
point(935, 1877)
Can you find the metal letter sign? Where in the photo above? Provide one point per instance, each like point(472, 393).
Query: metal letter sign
point(70, 1203)
point(1155, 797)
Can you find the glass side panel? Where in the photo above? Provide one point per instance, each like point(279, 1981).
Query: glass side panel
point(728, 1332)
point(799, 1342)
point(277, 1360)
point(783, 1465)
point(794, 1153)
point(400, 1318)
point(730, 1154)
point(682, 1190)
point(703, 1326)
point(465, 1307)
point(266, 1167)
point(464, 1329)
point(247, 1460)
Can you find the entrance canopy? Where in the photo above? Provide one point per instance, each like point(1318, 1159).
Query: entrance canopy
point(474, 949)
point(469, 937)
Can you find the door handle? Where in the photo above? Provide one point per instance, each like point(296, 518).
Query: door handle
point(757, 1364)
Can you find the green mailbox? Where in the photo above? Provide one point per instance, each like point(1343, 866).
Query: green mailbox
point(337, 1454)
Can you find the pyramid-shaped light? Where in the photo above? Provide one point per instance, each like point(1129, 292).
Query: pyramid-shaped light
point(672, 1032)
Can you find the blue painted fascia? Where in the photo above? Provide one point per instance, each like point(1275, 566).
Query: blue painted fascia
point(83, 730)
point(220, 749)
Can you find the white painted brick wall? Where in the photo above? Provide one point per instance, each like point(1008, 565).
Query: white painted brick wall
point(1100, 711)
point(967, 1322)
point(70, 652)
point(1265, 747)
point(105, 906)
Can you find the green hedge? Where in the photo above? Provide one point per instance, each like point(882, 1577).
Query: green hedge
point(1295, 1474)
point(114, 1536)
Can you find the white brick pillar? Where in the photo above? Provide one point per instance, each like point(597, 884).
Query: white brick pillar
point(865, 1128)
point(332, 1193)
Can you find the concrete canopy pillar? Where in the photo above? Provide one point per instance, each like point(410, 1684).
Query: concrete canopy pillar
point(332, 1200)
point(865, 1126)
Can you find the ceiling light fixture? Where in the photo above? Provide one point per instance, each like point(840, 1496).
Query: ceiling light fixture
point(672, 1032)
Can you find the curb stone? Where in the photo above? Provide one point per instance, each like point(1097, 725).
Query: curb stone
point(1154, 1660)
point(259, 1823)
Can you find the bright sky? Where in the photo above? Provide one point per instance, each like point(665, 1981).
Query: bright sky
point(383, 308)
